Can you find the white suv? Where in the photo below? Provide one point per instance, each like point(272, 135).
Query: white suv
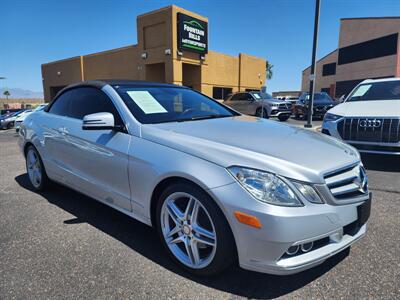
point(369, 118)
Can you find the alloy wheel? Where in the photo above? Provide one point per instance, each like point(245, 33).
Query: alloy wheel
point(188, 230)
point(34, 168)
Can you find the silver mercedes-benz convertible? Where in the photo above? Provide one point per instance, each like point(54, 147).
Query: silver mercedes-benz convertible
point(218, 186)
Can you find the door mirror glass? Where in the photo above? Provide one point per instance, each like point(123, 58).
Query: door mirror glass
point(98, 121)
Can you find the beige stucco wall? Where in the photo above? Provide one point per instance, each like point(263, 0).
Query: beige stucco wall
point(353, 31)
point(321, 81)
point(60, 73)
point(157, 32)
point(119, 63)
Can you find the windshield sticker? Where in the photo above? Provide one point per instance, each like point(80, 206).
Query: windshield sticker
point(257, 96)
point(361, 90)
point(146, 102)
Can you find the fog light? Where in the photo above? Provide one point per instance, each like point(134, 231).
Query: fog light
point(292, 250)
point(307, 246)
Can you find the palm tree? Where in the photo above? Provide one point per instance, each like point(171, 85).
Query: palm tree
point(7, 94)
point(268, 70)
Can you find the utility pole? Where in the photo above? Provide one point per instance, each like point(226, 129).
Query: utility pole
point(312, 71)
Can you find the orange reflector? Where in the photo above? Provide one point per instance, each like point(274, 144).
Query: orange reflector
point(247, 219)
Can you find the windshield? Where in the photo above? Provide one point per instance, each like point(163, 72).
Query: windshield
point(386, 90)
point(40, 107)
point(318, 97)
point(151, 105)
point(262, 95)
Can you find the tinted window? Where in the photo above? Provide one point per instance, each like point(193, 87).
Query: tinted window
point(88, 100)
point(329, 69)
point(379, 47)
point(155, 104)
point(242, 96)
point(60, 105)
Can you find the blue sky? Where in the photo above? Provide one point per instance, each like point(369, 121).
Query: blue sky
point(34, 32)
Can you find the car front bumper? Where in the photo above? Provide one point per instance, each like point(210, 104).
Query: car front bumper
point(263, 249)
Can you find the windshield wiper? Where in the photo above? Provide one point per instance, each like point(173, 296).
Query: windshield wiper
point(203, 118)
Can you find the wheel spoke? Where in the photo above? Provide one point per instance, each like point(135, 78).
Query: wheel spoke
point(195, 251)
point(175, 230)
point(204, 236)
point(194, 213)
point(192, 251)
point(177, 240)
point(174, 212)
point(189, 208)
point(31, 159)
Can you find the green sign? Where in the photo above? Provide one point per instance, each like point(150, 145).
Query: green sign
point(192, 34)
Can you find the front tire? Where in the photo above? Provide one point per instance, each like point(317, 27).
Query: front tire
point(262, 113)
point(193, 230)
point(283, 118)
point(35, 169)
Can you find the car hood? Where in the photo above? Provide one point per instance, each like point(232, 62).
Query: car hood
point(379, 108)
point(256, 143)
point(23, 117)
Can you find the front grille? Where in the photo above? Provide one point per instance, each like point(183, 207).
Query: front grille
point(285, 106)
point(347, 183)
point(378, 130)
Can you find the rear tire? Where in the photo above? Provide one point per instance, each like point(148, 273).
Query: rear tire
point(186, 217)
point(10, 125)
point(35, 169)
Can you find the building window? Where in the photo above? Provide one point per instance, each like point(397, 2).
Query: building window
point(375, 48)
point(221, 92)
point(329, 69)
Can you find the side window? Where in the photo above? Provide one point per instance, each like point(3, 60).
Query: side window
point(247, 96)
point(235, 97)
point(239, 97)
point(61, 104)
point(88, 100)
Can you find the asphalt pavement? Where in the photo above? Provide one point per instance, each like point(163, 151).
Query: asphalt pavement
point(61, 245)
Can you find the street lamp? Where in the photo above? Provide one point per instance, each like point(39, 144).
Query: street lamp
point(312, 71)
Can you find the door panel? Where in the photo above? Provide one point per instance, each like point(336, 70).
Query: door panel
point(98, 163)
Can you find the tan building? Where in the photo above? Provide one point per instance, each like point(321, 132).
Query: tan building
point(368, 48)
point(173, 48)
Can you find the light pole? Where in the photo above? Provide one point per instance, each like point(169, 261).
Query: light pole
point(312, 71)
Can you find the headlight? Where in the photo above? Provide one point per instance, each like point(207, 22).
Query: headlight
point(265, 186)
point(331, 117)
point(308, 192)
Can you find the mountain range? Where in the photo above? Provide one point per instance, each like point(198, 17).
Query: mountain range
point(18, 93)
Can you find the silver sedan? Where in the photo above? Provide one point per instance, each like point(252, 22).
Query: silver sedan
point(219, 187)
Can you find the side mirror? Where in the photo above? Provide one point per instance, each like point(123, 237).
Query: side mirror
point(98, 121)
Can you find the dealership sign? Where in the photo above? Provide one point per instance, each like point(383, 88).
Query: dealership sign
point(192, 34)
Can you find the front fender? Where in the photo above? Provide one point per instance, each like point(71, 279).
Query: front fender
point(150, 163)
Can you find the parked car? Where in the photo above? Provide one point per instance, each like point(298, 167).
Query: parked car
point(260, 105)
point(218, 186)
point(9, 111)
point(7, 121)
point(369, 119)
point(21, 117)
point(291, 99)
point(322, 103)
